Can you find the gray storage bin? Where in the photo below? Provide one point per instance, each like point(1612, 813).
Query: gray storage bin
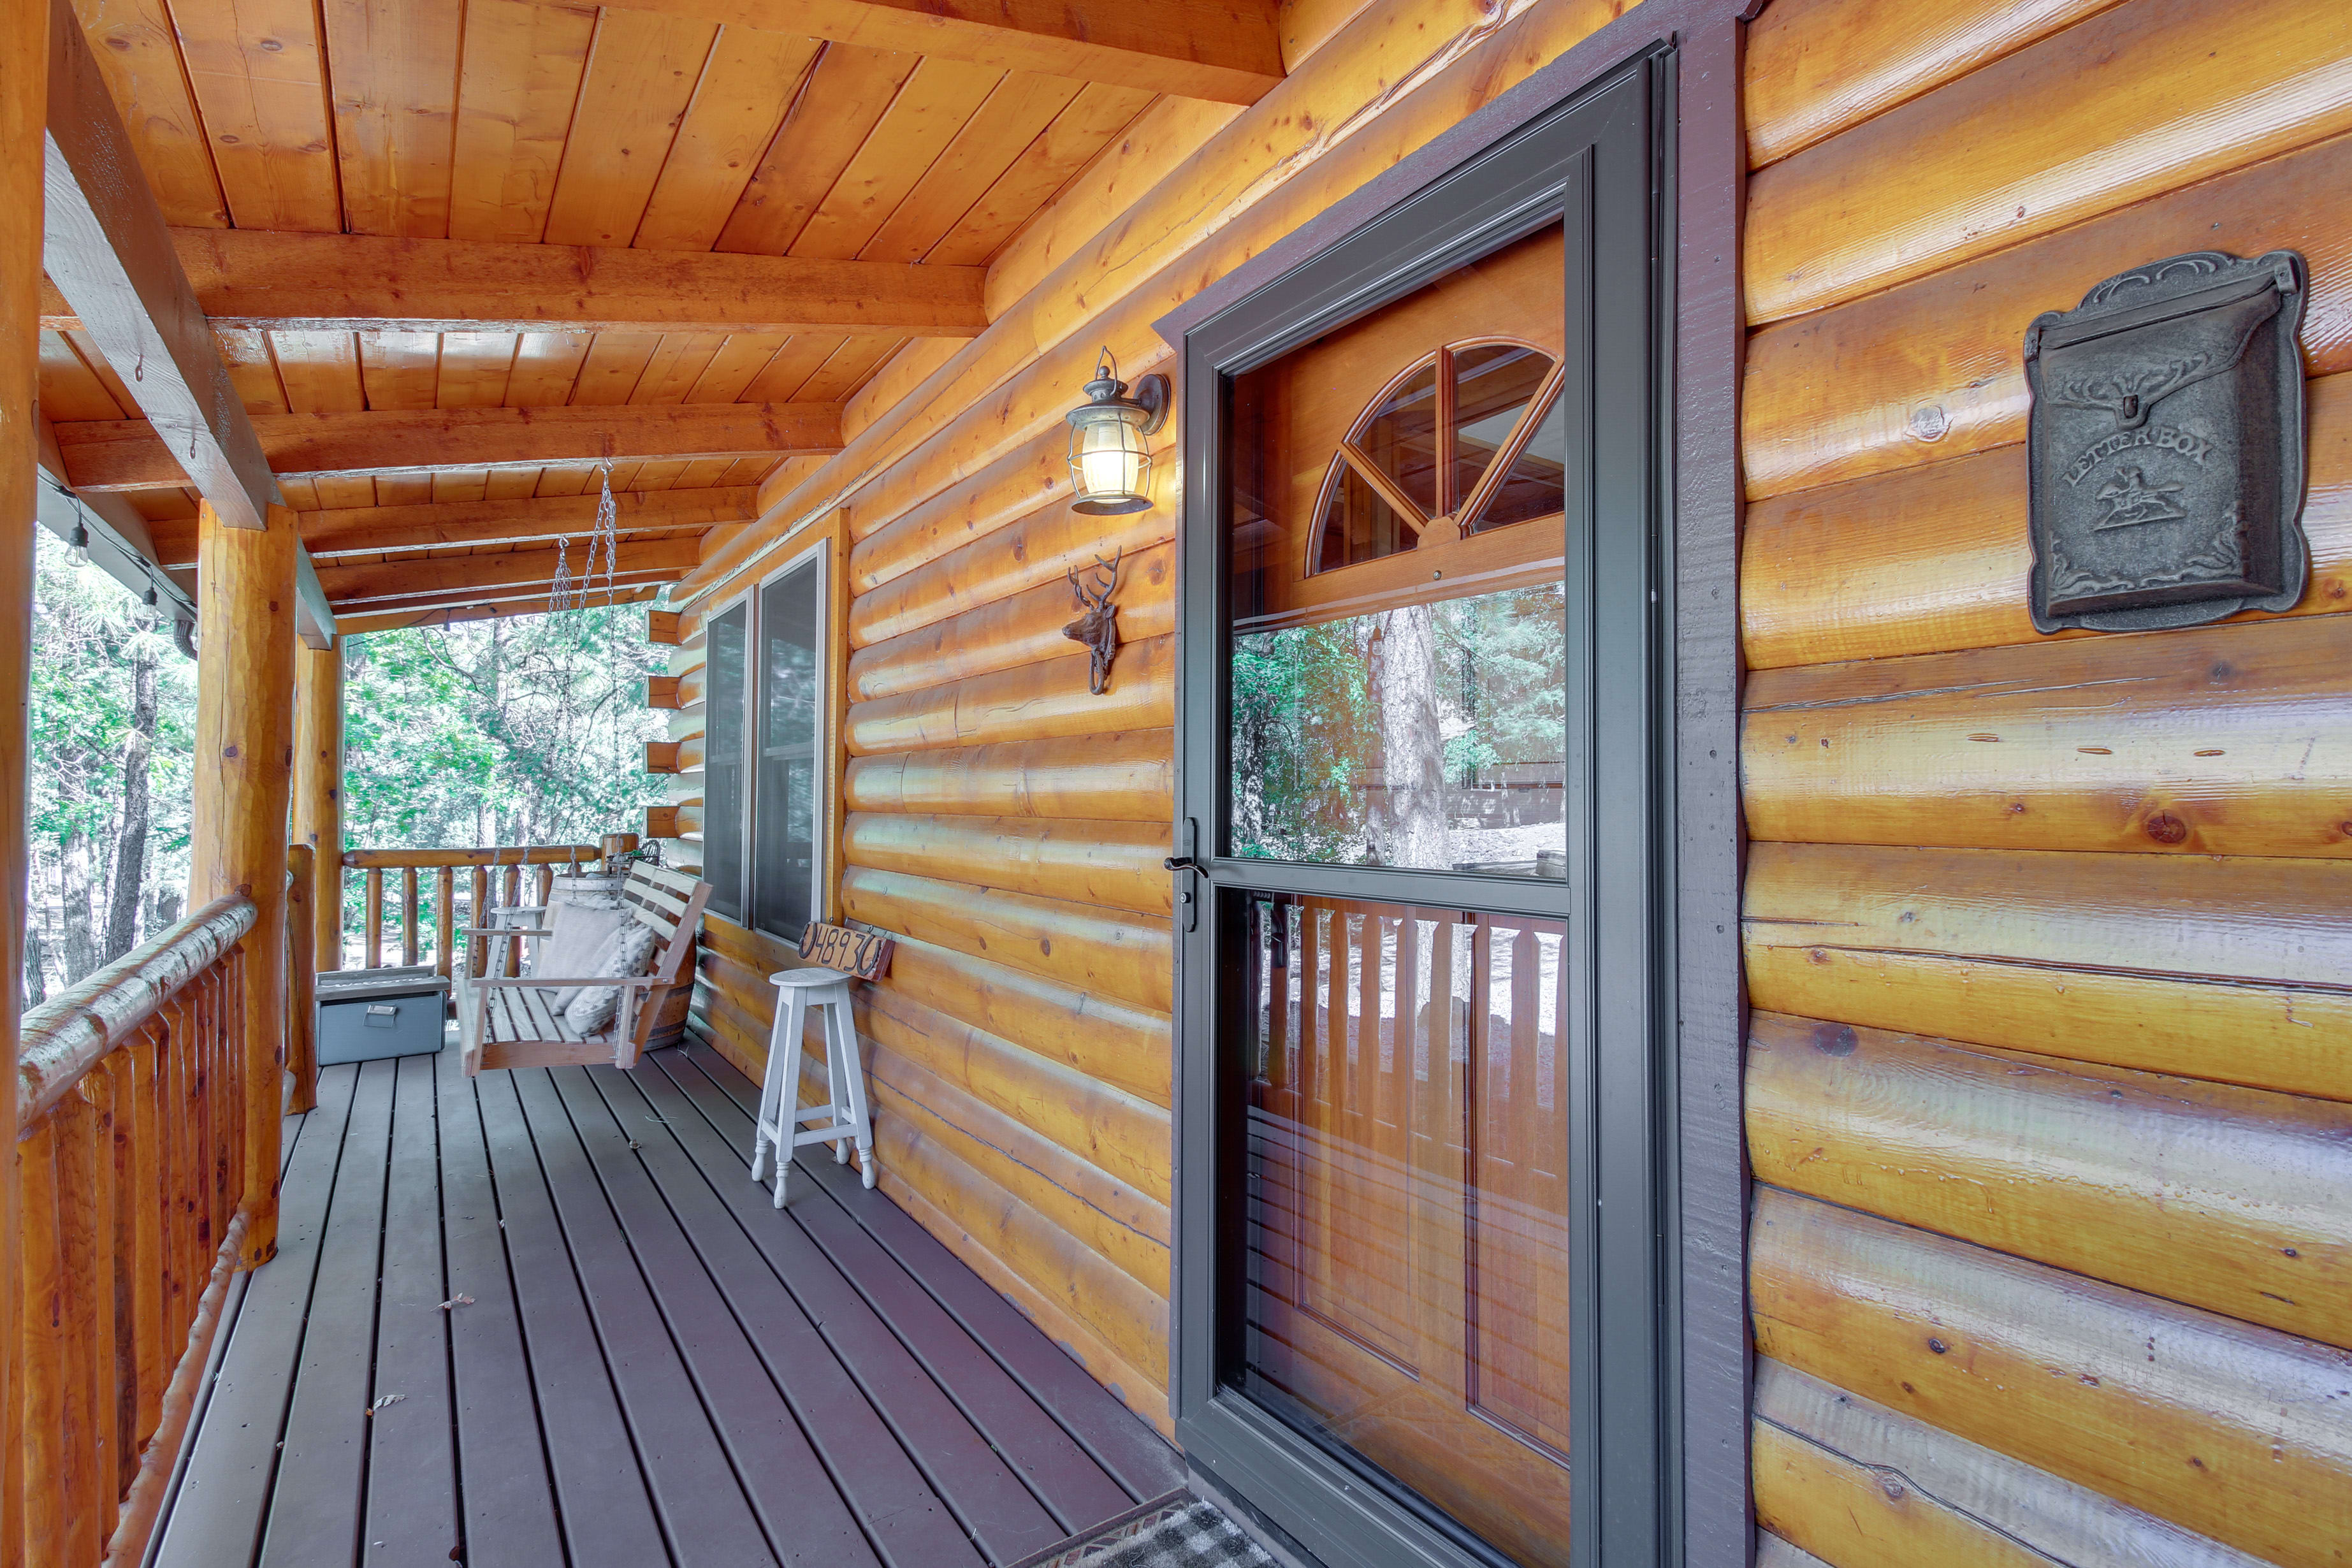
point(368, 1014)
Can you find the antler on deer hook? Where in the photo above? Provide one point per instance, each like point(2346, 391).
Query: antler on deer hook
point(1097, 626)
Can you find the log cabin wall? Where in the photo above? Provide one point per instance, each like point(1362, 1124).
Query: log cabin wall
point(2049, 939)
point(1005, 823)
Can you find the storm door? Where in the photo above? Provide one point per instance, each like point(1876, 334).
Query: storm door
point(1419, 613)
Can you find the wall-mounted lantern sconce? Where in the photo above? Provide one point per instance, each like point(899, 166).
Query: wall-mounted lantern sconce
point(1109, 464)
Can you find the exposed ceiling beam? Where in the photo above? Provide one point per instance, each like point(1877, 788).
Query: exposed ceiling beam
point(1228, 52)
point(350, 283)
point(434, 525)
point(657, 559)
point(472, 609)
point(128, 455)
point(107, 249)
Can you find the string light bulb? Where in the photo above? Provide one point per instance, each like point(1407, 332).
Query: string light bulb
point(81, 542)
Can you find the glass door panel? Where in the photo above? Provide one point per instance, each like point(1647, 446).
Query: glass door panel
point(1398, 699)
point(1407, 1283)
point(1398, 686)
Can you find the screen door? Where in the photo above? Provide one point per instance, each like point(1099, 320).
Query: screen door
point(1428, 560)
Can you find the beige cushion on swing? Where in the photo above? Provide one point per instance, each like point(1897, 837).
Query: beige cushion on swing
point(629, 951)
point(576, 934)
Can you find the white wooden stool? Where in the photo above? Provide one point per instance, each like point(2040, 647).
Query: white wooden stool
point(847, 1119)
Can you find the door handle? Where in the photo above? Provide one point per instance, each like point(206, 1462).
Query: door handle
point(1187, 905)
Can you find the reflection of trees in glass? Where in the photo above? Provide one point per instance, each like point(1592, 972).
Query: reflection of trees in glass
point(791, 687)
point(1354, 741)
point(1301, 708)
point(1505, 659)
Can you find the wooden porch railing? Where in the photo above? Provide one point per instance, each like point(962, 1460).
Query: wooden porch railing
point(495, 882)
point(129, 1154)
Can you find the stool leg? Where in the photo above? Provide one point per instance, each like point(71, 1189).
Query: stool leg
point(854, 1075)
point(793, 1023)
point(838, 1072)
point(766, 1117)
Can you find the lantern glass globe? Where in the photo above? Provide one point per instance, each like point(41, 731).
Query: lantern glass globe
point(1110, 459)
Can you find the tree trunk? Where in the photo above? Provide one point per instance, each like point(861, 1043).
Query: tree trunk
point(73, 898)
point(163, 909)
point(131, 849)
point(36, 967)
point(1411, 813)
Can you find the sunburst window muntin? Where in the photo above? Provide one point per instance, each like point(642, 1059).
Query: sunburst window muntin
point(1425, 466)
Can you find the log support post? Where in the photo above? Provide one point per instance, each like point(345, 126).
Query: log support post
point(244, 773)
point(319, 788)
point(23, 107)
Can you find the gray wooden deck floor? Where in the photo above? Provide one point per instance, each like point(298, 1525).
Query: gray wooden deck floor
point(545, 1318)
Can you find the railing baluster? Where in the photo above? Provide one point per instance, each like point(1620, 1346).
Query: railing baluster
point(302, 977)
point(479, 915)
point(111, 1086)
point(223, 1104)
point(147, 1129)
point(45, 1367)
point(77, 1223)
point(408, 915)
point(445, 918)
point(172, 1180)
point(375, 917)
point(202, 1202)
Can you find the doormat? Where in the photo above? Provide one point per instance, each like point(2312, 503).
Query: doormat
point(1183, 1533)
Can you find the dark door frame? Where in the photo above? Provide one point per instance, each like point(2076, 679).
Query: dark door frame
point(1688, 1503)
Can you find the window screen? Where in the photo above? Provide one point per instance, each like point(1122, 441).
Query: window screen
point(723, 763)
point(785, 887)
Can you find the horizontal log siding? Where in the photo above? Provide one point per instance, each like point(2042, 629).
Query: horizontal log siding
point(2049, 1086)
point(1933, 558)
point(680, 828)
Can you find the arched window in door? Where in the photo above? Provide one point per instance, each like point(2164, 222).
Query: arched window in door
point(1469, 439)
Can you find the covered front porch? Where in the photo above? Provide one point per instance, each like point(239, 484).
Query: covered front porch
point(544, 1317)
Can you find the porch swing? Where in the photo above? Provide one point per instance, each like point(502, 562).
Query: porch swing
point(639, 970)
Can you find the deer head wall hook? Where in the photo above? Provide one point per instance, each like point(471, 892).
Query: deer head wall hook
point(1097, 624)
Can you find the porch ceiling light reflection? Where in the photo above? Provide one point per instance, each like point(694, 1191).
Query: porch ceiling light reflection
point(1111, 467)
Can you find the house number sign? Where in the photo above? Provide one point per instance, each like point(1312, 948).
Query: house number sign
point(2166, 443)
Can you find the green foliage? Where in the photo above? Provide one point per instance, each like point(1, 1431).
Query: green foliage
point(89, 636)
point(86, 630)
point(1304, 714)
point(1306, 735)
point(1503, 680)
point(528, 731)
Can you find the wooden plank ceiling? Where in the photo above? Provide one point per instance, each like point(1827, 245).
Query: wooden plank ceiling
point(489, 138)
